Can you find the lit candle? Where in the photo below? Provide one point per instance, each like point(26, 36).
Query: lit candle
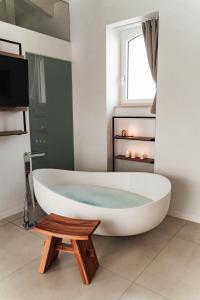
point(130, 132)
point(133, 155)
point(127, 154)
point(124, 133)
point(142, 155)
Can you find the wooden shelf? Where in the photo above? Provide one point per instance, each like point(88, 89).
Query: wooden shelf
point(134, 117)
point(11, 54)
point(12, 132)
point(137, 159)
point(134, 138)
point(8, 108)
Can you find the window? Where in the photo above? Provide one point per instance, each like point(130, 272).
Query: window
point(137, 83)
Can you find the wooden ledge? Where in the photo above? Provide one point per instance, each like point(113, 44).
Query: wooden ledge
point(11, 54)
point(13, 109)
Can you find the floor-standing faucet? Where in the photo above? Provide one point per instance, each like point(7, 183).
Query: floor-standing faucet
point(30, 201)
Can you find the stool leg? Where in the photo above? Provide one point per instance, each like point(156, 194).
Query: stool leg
point(86, 259)
point(49, 253)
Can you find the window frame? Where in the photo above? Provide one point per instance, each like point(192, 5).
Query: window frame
point(125, 38)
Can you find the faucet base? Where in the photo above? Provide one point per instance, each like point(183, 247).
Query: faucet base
point(32, 211)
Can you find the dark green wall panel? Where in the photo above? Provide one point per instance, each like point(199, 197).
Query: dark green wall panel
point(51, 115)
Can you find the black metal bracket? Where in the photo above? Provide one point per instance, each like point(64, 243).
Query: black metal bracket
point(24, 120)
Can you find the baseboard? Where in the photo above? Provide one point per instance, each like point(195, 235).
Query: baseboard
point(12, 211)
point(185, 216)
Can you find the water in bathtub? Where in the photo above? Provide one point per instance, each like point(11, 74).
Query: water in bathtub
point(101, 196)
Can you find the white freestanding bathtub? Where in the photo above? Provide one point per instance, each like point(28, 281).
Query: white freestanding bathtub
point(114, 221)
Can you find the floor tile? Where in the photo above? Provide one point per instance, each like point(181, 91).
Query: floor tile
point(175, 272)
point(61, 282)
point(190, 232)
point(171, 225)
point(3, 222)
point(18, 247)
point(15, 217)
point(128, 256)
point(136, 292)
point(18, 222)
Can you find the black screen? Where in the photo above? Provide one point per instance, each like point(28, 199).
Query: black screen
point(13, 81)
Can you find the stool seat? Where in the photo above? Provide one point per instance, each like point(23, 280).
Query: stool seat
point(56, 228)
point(67, 228)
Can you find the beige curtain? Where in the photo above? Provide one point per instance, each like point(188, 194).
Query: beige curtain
point(150, 32)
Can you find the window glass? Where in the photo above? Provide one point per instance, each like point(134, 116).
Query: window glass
point(139, 84)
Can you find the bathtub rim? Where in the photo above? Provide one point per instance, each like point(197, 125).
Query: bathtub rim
point(37, 171)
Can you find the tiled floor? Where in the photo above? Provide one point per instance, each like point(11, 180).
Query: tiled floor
point(159, 265)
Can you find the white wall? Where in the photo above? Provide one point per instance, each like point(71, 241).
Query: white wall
point(177, 141)
point(12, 147)
point(113, 76)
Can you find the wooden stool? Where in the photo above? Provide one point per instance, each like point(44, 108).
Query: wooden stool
point(79, 232)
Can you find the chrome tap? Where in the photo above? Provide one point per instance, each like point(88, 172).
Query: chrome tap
point(30, 199)
point(30, 155)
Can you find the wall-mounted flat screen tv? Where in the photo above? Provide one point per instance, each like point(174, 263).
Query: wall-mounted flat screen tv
point(13, 81)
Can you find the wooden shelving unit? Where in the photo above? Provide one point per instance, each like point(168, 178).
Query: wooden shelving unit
point(14, 109)
point(15, 132)
point(130, 138)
